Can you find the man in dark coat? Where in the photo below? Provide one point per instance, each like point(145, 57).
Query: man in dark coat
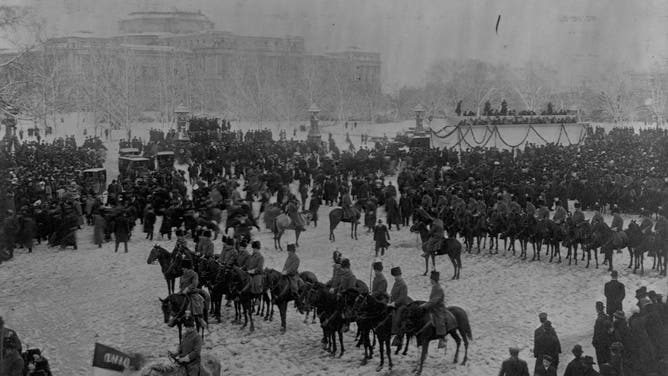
point(614, 294)
point(406, 207)
point(121, 231)
point(433, 244)
point(602, 339)
point(575, 367)
point(545, 342)
point(381, 236)
point(149, 221)
point(436, 308)
point(514, 366)
point(379, 283)
point(346, 280)
point(587, 363)
point(393, 212)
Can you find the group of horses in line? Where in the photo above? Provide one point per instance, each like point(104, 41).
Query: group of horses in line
point(372, 315)
point(515, 227)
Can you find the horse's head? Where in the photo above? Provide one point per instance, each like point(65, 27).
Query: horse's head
point(154, 255)
point(312, 294)
point(165, 305)
point(411, 318)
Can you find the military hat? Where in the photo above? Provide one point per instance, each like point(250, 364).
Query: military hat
point(256, 244)
point(542, 316)
point(377, 266)
point(207, 233)
point(345, 263)
point(514, 350)
point(588, 360)
point(292, 248)
point(577, 350)
point(614, 274)
point(189, 322)
point(243, 243)
point(434, 276)
point(619, 315)
point(395, 271)
point(641, 292)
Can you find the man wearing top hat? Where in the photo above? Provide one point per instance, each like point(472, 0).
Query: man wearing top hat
point(614, 294)
point(398, 299)
point(514, 366)
point(436, 308)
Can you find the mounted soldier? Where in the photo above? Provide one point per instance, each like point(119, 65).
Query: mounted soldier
point(398, 299)
point(436, 308)
point(435, 240)
point(292, 210)
point(291, 273)
point(514, 207)
point(543, 213)
point(229, 254)
point(255, 266)
point(578, 215)
point(188, 285)
point(379, 283)
point(646, 223)
point(347, 206)
point(559, 213)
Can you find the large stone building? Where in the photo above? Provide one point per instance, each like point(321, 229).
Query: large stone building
point(179, 54)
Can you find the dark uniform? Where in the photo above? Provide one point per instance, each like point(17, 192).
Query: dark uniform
point(255, 266)
point(379, 285)
point(602, 339)
point(436, 307)
point(398, 296)
point(530, 209)
point(291, 271)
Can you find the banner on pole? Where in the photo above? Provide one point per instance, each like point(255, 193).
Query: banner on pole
point(108, 361)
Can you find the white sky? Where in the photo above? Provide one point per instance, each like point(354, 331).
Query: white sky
point(573, 36)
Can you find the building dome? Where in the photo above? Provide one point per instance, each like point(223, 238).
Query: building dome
point(175, 22)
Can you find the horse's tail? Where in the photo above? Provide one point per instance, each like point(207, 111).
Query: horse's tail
point(462, 321)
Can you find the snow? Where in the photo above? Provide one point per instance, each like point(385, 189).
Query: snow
point(63, 301)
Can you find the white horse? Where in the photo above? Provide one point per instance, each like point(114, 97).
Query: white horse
point(210, 366)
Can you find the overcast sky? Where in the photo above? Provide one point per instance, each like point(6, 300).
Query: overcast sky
point(574, 36)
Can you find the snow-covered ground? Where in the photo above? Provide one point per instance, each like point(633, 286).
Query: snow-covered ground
point(63, 301)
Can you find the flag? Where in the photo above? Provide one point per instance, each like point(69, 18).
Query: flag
point(108, 361)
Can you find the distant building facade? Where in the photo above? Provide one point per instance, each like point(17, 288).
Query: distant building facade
point(185, 44)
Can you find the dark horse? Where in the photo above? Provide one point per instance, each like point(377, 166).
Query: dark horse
point(238, 280)
point(175, 306)
point(414, 320)
point(450, 246)
point(378, 317)
point(170, 265)
point(277, 282)
point(336, 216)
point(326, 303)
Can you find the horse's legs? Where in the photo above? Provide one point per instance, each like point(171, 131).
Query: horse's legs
point(282, 308)
point(631, 259)
point(340, 331)
point(408, 339)
point(297, 238)
point(252, 324)
point(423, 356)
point(458, 341)
point(466, 346)
point(426, 264)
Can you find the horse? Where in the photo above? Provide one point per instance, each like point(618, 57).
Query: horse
point(660, 250)
point(540, 235)
point(473, 228)
point(239, 279)
point(513, 227)
point(210, 366)
point(276, 282)
point(336, 216)
point(449, 246)
point(281, 223)
point(414, 320)
point(639, 244)
point(175, 306)
point(496, 224)
point(326, 303)
point(557, 235)
point(525, 233)
point(576, 235)
point(377, 317)
point(170, 265)
point(608, 240)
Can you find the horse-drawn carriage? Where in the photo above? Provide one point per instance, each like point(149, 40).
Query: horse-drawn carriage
point(164, 159)
point(94, 180)
point(126, 152)
point(134, 167)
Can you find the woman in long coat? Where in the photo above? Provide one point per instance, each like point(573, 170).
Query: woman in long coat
point(99, 225)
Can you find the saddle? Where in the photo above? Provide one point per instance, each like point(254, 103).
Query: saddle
point(450, 320)
point(619, 239)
